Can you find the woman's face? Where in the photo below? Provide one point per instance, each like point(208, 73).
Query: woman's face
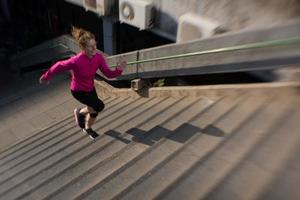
point(90, 48)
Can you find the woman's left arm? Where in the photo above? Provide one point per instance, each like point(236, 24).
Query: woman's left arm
point(104, 68)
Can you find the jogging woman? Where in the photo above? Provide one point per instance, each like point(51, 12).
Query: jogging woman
point(83, 67)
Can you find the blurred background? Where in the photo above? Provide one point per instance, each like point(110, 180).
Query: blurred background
point(133, 25)
point(228, 130)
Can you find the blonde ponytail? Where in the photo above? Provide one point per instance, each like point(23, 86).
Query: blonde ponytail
point(81, 36)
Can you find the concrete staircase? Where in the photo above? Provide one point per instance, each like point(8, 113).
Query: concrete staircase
point(225, 142)
point(29, 107)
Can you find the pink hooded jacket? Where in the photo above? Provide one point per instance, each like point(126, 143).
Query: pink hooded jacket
point(83, 70)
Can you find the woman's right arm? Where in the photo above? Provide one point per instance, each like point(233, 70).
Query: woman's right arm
point(58, 67)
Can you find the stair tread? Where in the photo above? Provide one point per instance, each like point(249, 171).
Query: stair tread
point(164, 143)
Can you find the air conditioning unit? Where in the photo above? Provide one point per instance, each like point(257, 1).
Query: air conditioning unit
point(191, 27)
point(138, 13)
point(101, 7)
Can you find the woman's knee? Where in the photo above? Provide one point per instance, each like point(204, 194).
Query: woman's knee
point(99, 107)
point(92, 112)
point(96, 108)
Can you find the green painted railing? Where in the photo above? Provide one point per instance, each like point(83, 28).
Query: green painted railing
point(265, 44)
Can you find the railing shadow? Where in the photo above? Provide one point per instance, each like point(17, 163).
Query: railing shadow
point(181, 134)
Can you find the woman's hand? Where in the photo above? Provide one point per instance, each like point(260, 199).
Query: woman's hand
point(42, 80)
point(122, 65)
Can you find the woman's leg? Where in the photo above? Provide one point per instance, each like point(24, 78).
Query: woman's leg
point(84, 111)
point(89, 119)
point(80, 113)
point(93, 106)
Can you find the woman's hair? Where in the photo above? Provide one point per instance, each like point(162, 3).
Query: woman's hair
point(82, 36)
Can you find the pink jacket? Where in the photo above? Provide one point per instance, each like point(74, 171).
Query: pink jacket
point(83, 70)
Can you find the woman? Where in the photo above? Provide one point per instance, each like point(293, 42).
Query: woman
point(83, 67)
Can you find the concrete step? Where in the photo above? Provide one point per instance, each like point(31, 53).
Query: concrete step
point(132, 150)
point(58, 139)
point(43, 143)
point(32, 108)
point(85, 155)
point(253, 175)
point(162, 147)
point(35, 137)
point(132, 172)
point(52, 148)
point(112, 145)
point(210, 170)
point(198, 153)
point(13, 149)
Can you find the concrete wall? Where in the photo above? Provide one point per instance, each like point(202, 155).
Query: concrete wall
point(234, 14)
point(246, 60)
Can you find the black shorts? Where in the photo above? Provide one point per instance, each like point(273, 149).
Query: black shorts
point(89, 98)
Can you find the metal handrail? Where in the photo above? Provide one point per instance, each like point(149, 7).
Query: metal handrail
point(272, 43)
